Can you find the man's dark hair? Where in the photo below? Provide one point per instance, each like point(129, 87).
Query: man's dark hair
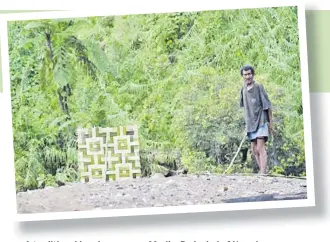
point(246, 68)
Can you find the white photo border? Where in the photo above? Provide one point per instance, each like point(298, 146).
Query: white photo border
point(6, 130)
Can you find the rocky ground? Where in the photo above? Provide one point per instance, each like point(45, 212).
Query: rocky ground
point(161, 191)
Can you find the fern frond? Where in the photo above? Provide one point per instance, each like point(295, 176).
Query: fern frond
point(97, 55)
point(133, 88)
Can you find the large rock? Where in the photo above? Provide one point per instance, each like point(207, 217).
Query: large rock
point(162, 170)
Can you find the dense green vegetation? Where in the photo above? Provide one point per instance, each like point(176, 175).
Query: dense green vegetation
point(174, 75)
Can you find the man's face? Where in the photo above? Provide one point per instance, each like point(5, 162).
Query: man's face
point(248, 77)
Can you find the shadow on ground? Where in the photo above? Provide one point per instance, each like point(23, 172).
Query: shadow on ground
point(267, 197)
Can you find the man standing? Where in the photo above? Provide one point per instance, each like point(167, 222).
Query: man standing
point(257, 115)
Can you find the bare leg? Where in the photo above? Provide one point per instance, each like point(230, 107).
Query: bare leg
point(261, 147)
point(255, 152)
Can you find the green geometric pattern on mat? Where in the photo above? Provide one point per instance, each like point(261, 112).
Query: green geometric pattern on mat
point(108, 153)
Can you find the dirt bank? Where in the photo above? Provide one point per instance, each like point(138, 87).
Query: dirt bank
point(160, 191)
